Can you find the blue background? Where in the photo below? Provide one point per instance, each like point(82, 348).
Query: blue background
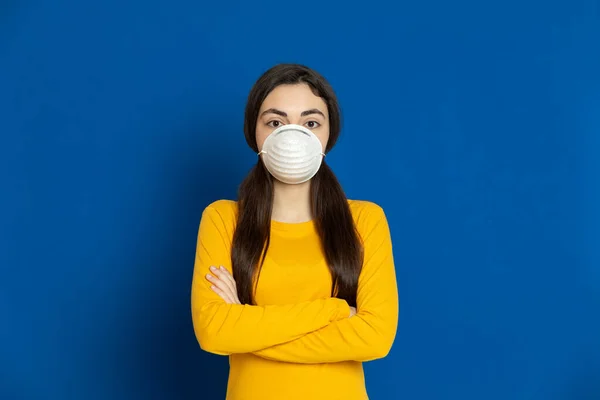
point(475, 124)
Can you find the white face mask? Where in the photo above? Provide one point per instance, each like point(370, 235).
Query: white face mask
point(292, 154)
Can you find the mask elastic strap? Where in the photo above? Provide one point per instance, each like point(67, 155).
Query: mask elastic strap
point(264, 152)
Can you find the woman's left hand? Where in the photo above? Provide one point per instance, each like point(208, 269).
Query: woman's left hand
point(223, 284)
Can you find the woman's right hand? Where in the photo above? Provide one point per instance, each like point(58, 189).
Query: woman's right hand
point(352, 312)
point(223, 284)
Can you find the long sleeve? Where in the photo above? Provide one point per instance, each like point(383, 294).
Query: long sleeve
point(370, 333)
point(225, 329)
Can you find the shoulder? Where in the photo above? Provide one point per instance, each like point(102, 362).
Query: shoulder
point(363, 210)
point(225, 211)
point(367, 215)
point(223, 206)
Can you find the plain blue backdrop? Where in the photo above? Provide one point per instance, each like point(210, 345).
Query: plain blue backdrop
point(474, 124)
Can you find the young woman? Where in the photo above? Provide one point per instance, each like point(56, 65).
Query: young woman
point(294, 282)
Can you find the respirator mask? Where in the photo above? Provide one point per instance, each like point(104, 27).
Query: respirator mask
point(292, 154)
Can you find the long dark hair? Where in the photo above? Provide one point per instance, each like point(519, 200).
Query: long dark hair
point(330, 210)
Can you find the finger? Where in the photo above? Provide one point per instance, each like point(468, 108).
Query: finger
point(222, 291)
point(352, 312)
point(224, 276)
point(222, 286)
point(228, 276)
point(221, 294)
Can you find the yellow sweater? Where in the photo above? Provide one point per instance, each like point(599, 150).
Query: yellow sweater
point(298, 342)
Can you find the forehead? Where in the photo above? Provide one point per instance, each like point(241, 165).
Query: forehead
point(293, 98)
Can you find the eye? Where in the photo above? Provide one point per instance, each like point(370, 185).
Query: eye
point(274, 124)
point(312, 124)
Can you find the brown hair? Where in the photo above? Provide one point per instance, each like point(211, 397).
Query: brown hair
point(339, 239)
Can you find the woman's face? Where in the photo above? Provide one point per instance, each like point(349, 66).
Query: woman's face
point(292, 104)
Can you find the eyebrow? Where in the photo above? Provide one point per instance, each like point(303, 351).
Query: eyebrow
point(312, 111)
point(284, 114)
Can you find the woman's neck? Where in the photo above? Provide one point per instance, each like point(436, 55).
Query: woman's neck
point(291, 203)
